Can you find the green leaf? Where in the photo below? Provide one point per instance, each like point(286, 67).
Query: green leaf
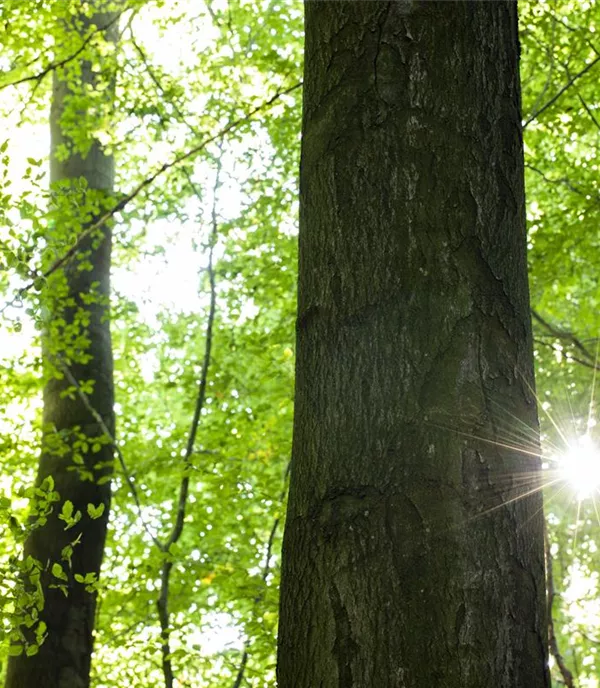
point(95, 511)
point(67, 511)
point(58, 572)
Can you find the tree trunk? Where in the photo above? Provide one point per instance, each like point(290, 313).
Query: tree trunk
point(77, 454)
point(405, 562)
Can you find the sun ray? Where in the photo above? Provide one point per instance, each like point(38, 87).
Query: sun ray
point(546, 412)
point(512, 500)
point(596, 507)
point(532, 432)
point(591, 420)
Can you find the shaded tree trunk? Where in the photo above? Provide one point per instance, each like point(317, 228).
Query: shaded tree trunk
point(77, 454)
point(405, 562)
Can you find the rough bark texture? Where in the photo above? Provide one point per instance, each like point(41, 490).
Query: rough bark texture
point(63, 660)
point(405, 564)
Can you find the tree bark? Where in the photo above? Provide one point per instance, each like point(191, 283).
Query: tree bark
point(407, 562)
point(76, 454)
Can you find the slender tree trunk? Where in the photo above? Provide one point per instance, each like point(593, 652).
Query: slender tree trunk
point(77, 453)
point(405, 562)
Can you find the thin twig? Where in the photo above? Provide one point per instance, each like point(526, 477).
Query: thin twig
point(564, 335)
point(564, 181)
point(265, 575)
point(550, 57)
point(551, 594)
point(554, 98)
point(127, 198)
point(576, 29)
point(568, 356)
point(162, 92)
point(165, 575)
point(157, 82)
point(587, 108)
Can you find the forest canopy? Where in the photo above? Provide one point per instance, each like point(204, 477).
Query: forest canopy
point(198, 105)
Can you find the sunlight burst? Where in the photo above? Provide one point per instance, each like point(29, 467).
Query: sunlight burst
point(580, 466)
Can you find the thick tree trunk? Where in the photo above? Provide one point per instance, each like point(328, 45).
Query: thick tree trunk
point(77, 453)
point(405, 562)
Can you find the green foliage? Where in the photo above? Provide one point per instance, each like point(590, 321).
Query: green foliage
point(196, 77)
point(560, 102)
point(225, 565)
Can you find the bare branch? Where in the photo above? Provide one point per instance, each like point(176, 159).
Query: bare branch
point(564, 181)
point(570, 356)
point(564, 335)
point(241, 670)
point(587, 108)
point(265, 574)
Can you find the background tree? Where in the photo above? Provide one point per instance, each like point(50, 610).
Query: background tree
point(63, 552)
point(243, 447)
point(410, 558)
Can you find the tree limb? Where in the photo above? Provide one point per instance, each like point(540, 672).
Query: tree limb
point(163, 599)
point(265, 574)
point(564, 181)
point(564, 335)
point(98, 418)
point(554, 98)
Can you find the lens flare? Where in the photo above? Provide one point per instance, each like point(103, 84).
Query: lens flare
point(580, 466)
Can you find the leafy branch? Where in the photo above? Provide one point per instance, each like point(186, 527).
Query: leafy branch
point(102, 425)
point(51, 66)
point(148, 181)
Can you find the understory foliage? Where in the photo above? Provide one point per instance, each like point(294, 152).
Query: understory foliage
point(205, 132)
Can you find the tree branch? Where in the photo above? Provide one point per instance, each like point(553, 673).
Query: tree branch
point(265, 574)
point(127, 198)
point(553, 100)
point(564, 335)
point(570, 357)
point(163, 599)
point(564, 181)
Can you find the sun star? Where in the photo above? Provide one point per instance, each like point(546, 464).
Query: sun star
point(580, 466)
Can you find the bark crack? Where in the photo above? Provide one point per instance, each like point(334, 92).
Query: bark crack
point(380, 27)
point(344, 647)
